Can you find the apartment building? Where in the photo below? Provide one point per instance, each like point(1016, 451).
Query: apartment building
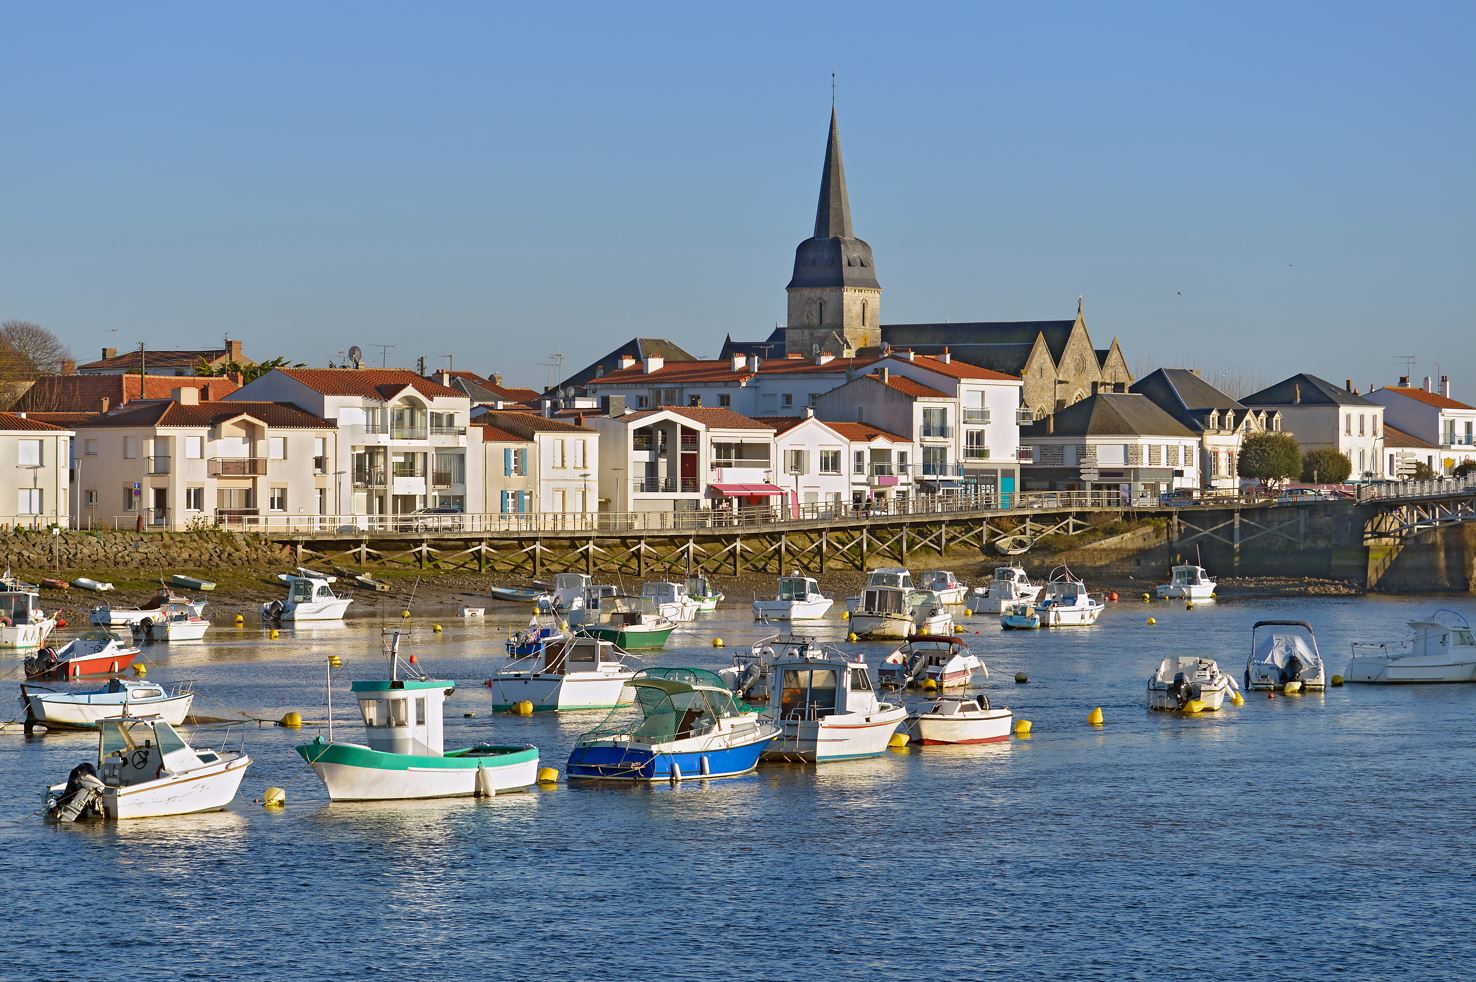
point(34, 472)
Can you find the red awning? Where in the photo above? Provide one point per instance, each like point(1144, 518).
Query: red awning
point(748, 490)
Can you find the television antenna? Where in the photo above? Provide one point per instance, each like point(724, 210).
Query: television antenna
point(384, 350)
point(555, 365)
point(356, 356)
point(1409, 361)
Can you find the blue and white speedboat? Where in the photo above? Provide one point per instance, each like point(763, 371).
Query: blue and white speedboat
point(684, 723)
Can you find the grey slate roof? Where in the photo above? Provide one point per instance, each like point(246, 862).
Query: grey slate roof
point(930, 338)
point(637, 348)
point(774, 342)
point(1186, 397)
point(833, 256)
point(1305, 390)
point(1110, 414)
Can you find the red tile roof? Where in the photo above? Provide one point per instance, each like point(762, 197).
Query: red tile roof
point(161, 412)
point(65, 420)
point(908, 387)
point(713, 417)
point(495, 434)
point(11, 421)
point(721, 370)
point(524, 425)
point(1429, 398)
point(85, 393)
point(371, 383)
point(954, 368)
point(862, 433)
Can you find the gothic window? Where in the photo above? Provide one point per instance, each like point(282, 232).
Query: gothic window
point(819, 311)
point(863, 313)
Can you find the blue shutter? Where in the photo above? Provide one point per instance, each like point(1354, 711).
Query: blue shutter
point(523, 497)
point(504, 502)
point(507, 461)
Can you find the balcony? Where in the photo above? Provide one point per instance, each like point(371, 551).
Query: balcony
point(754, 463)
point(156, 465)
point(937, 432)
point(664, 485)
point(372, 478)
point(976, 416)
point(1023, 416)
point(974, 452)
point(402, 468)
point(238, 466)
point(689, 443)
point(397, 431)
point(1025, 455)
point(439, 430)
point(444, 479)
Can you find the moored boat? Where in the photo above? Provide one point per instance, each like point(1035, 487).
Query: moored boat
point(1187, 582)
point(1285, 657)
point(153, 610)
point(1441, 649)
point(64, 710)
point(570, 674)
point(670, 600)
point(1021, 616)
point(1067, 603)
point(310, 597)
point(700, 589)
point(98, 652)
point(631, 623)
point(748, 676)
point(1189, 684)
point(930, 662)
point(960, 720)
point(1008, 586)
point(404, 753)
point(883, 576)
point(827, 708)
point(145, 769)
point(797, 598)
point(947, 586)
point(24, 626)
point(191, 582)
point(684, 723)
point(176, 622)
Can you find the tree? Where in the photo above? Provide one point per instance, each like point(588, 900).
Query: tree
point(1463, 469)
point(1422, 472)
point(31, 349)
point(248, 373)
point(1326, 465)
point(1270, 458)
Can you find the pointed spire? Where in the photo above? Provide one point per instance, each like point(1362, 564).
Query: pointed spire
point(833, 215)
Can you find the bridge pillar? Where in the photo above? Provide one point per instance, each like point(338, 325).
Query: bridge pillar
point(1235, 543)
point(737, 552)
point(824, 548)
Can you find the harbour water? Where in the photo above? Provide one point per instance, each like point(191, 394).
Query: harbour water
point(1287, 838)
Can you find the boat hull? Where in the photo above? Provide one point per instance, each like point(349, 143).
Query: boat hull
point(833, 738)
point(1209, 699)
point(625, 762)
point(632, 639)
point(561, 693)
point(182, 630)
point(206, 789)
point(67, 714)
point(319, 610)
point(355, 773)
point(1199, 591)
point(992, 727)
point(1414, 669)
point(100, 664)
point(25, 637)
point(898, 626)
point(791, 610)
point(1068, 616)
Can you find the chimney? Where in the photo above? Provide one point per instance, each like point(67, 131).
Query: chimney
point(809, 412)
point(627, 361)
point(233, 350)
point(945, 357)
point(600, 370)
point(1347, 385)
point(1297, 394)
point(1404, 381)
point(110, 352)
point(444, 377)
point(1051, 423)
point(754, 362)
point(614, 406)
point(1445, 386)
point(653, 364)
point(824, 358)
point(910, 355)
point(186, 395)
point(1427, 383)
point(885, 375)
point(738, 361)
point(103, 405)
point(497, 378)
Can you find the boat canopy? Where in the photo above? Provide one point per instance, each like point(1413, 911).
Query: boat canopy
point(1189, 576)
point(670, 704)
point(884, 600)
point(1009, 574)
point(664, 591)
point(890, 576)
point(796, 587)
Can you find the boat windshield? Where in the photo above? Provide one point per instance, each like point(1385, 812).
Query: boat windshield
point(884, 601)
point(807, 692)
point(16, 606)
point(791, 588)
point(890, 577)
point(1004, 574)
point(670, 704)
point(697, 586)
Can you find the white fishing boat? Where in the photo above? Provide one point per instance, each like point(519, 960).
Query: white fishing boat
point(66, 710)
point(960, 720)
point(1009, 586)
point(671, 600)
point(1067, 603)
point(945, 585)
point(1189, 684)
point(1441, 650)
point(145, 769)
point(748, 676)
point(1187, 582)
point(797, 599)
point(700, 589)
point(885, 576)
point(895, 612)
point(1284, 656)
point(930, 662)
point(581, 672)
point(581, 601)
point(153, 610)
point(404, 753)
point(176, 622)
point(827, 709)
point(310, 597)
point(24, 626)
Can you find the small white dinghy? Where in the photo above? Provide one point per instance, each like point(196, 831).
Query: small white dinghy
point(108, 616)
point(1010, 585)
point(176, 622)
point(145, 769)
point(1187, 582)
point(961, 720)
point(1284, 658)
point(57, 709)
point(1190, 684)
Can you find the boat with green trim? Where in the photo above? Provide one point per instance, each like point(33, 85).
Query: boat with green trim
point(405, 755)
point(631, 623)
point(700, 589)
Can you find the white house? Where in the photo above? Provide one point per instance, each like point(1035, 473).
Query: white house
point(1431, 417)
point(35, 459)
point(1221, 422)
point(402, 441)
point(1321, 415)
point(1119, 444)
point(747, 384)
point(832, 466)
point(561, 460)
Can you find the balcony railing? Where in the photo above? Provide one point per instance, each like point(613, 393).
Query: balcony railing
point(1023, 416)
point(369, 478)
point(976, 415)
point(440, 430)
point(398, 431)
point(936, 432)
point(664, 485)
point(973, 452)
point(156, 465)
point(689, 444)
point(757, 463)
point(443, 479)
point(408, 470)
point(1025, 455)
point(238, 466)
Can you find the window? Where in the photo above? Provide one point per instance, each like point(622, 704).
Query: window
point(194, 447)
point(935, 460)
point(278, 501)
point(130, 447)
point(514, 462)
point(902, 461)
point(130, 503)
point(935, 422)
point(320, 456)
point(578, 452)
point(695, 401)
point(788, 399)
point(1348, 424)
point(858, 465)
point(194, 499)
point(90, 497)
point(90, 448)
point(28, 454)
point(277, 448)
point(1362, 423)
point(974, 445)
point(641, 402)
point(830, 461)
point(860, 414)
point(863, 313)
point(28, 501)
point(724, 399)
point(322, 494)
point(794, 462)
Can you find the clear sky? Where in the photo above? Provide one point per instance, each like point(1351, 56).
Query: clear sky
point(1250, 189)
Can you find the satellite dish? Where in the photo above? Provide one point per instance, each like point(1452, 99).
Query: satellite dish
point(356, 356)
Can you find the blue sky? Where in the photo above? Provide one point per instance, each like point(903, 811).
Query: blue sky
point(1250, 189)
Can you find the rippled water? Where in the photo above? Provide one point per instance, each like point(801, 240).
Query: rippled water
point(1281, 839)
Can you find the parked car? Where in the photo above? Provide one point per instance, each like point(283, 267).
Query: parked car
point(1180, 498)
point(432, 520)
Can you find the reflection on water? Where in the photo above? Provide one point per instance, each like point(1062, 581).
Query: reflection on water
point(1084, 850)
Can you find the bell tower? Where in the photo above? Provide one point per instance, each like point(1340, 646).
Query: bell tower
point(834, 298)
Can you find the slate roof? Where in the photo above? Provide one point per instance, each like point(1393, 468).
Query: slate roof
point(964, 337)
point(721, 370)
point(1109, 414)
point(1186, 397)
point(774, 345)
point(833, 256)
point(637, 348)
point(85, 393)
point(712, 417)
point(12, 421)
point(479, 388)
point(1395, 439)
point(1428, 398)
point(164, 358)
point(164, 412)
point(1305, 390)
point(370, 383)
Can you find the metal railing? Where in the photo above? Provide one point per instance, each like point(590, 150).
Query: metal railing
point(666, 485)
point(1025, 455)
point(975, 415)
point(936, 432)
point(973, 452)
point(373, 478)
point(442, 430)
point(1399, 490)
point(755, 463)
point(443, 479)
point(401, 469)
point(237, 466)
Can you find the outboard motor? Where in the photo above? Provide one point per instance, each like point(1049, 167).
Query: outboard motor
point(273, 611)
point(1183, 690)
point(82, 797)
point(1294, 668)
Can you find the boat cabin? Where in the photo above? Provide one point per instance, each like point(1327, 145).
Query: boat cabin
point(1066, 593)
point(886, 600)
point(1188, 575)
point(1010, 574)
point(306, 589)
point(664, 592)
point(580, 654)
point(813, 686)
point(1435, 637)
point(938, 580)
point(797, 588)
point(403, 716)
point(132, 751)
point(19, 607)
point(699, 586)
point(893, 576)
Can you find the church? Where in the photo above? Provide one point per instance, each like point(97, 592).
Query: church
point(835, 308)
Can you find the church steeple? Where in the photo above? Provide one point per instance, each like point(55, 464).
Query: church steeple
point(833, 215)
point(834, 297)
